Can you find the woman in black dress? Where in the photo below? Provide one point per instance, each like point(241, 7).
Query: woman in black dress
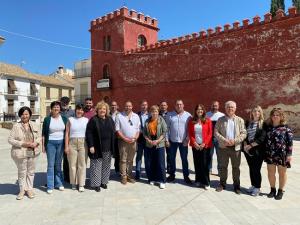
point(279, 146)
point(100, 136)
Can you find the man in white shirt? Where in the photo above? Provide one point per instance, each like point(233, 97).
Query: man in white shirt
point(214, 115)
point(177, 122)
point(128, 129)
point(230, 132)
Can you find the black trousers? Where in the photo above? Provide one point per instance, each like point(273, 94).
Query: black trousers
point(202, 160)
point(255, 164)
point(66, 169)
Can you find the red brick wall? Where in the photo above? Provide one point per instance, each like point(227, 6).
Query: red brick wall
point(256, 63)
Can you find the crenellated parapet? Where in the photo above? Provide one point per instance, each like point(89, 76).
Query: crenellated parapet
point(219, 30)
point(126, 14)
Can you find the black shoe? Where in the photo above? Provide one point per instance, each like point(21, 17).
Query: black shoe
point(104, 186)
point(237, 190)
point(272, 193)
point(220, 188)
point(187, 180)
point(137, 175)
point(279, 194)
point(97, 189)
point(171, 178)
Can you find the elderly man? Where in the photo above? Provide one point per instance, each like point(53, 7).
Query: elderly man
point(230, 132)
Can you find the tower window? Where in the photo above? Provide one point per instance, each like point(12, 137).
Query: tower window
point(107, 43)
point(142, 41)
point(106, 72)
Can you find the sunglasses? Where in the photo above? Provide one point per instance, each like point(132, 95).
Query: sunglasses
point(130, 122)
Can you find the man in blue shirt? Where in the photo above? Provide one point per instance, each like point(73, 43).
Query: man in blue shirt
point(177, 123)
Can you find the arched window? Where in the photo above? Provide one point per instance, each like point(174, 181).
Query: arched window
point(106, 72)
point(106, 43)
point(142, 41)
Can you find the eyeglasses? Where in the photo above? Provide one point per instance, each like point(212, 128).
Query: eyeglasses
point(130, 122)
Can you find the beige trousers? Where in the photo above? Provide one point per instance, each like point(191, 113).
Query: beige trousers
point(127, 152)
point(77, 158)
point(26, 169)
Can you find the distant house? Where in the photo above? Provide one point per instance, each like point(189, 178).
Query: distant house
point(82, 78)
point(20, 88)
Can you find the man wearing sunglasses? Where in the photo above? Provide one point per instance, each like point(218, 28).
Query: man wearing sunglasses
point(128, 127)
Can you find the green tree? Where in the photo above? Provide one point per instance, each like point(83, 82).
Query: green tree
point(277, 4)
point(297, 4)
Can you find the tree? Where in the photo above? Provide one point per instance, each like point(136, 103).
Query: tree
point(296, 3)
point(278, 4)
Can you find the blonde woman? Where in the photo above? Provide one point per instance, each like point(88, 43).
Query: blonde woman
point(254, 147)
point(100, 137)
point(279, 147)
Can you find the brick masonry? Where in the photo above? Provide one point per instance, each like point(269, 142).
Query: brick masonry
point(253, 62)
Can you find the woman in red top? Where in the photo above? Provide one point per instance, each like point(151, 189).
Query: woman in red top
point(200, 134)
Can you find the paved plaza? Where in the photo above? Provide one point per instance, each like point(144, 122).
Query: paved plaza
point(141, 203)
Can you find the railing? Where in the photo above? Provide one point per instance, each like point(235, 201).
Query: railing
point(78, 73)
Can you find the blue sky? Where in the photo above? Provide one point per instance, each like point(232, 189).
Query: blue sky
point(67, 21)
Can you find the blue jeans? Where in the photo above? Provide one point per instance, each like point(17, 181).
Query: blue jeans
point(157, 164)
point(214, 147)
point(183, 155)
point(55, 150)
point(141, 148)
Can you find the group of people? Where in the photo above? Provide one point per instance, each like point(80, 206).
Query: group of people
point(103, 133)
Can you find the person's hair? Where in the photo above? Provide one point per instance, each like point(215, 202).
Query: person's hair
point(153, 108)
point(88, 99)
point(55, 103)
point(261, 118)
point(178, 100)
point(128, 101)
point(23, 109)
point(78, 107)
point(281, 115)
point(163, 102)
point(143, 101)
point(65, 100)
point(230, 103)
point(196, 117)
point(100, 105)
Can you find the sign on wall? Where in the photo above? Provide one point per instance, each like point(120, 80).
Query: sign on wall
point(103, 83)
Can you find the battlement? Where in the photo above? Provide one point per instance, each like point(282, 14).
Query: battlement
point(126, 14)
point(219, 30)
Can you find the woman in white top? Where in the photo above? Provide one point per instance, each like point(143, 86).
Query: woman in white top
point(75, 147)
point(200, 135)
point(53, 136)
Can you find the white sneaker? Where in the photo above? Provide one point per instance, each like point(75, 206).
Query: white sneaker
point(198, 184)
point(250, 189)
point(255, 192)
point(162, 185)
point(206, 187)
point(49, 191)
point(73, 186)
point(81, 189)
point(61, 188)
point(151, 182)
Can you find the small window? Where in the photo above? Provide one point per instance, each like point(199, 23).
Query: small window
point(47, 92)
point(106, 72)
point(59, 93)
point(142, 41)
point(106, 43)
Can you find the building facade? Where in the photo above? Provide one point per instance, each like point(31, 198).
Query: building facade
point(82, 72)
point(253, 62)
point(20, 88)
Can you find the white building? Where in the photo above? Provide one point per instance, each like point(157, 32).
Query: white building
point(18, 88)
point(82, 78)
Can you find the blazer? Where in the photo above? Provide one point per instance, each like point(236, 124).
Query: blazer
point(16, 139)
point(240, 131)
point(259, 138)
point(93, 137)
point(161, 130)
point(207, 133)
point(46, 125)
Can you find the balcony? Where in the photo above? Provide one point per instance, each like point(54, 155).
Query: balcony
point(11, 94)
point(80, 73)
point(32, 95)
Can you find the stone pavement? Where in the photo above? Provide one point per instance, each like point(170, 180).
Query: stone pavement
point(141, 203)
